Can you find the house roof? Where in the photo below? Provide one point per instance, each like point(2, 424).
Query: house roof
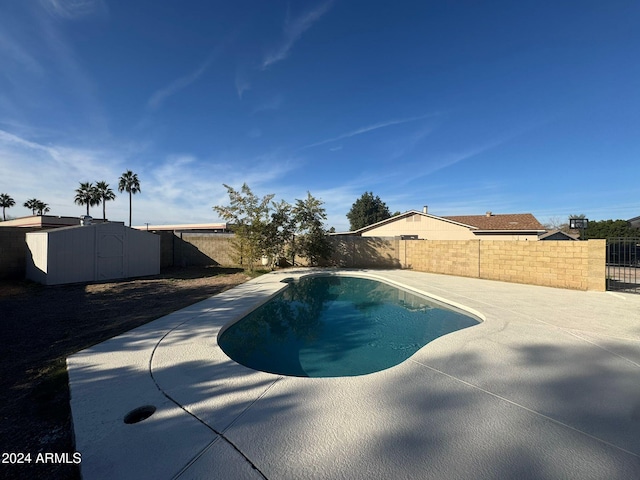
point(556, 232)
point(510, 221)
point(394, 219)
point(477, 223)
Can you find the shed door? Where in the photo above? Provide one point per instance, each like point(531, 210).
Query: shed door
point(110, 255)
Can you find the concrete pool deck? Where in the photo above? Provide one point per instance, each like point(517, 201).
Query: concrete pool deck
point(546, 387)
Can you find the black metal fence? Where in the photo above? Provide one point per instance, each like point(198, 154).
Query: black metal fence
point(623, 264)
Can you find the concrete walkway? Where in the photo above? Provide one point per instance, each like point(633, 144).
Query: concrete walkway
point(547, 387)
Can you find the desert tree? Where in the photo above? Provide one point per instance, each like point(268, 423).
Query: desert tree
point(104, 194)
point(278, 232)
point(248, 216)
point(611, 229)
point(556, 223)
point(265, 228)
point(129, 183)
point(312, 241)
point(367, 210)
point(6, 202)
point(86, 194)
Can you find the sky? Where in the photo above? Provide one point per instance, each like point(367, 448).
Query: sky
point(464, 106)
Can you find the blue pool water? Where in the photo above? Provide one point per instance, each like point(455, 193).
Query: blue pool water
point(331, 326)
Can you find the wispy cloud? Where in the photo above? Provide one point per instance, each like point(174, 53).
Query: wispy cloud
point(34, 45)
point(293, 30)
point(176, 188)
point(13, 52)
point(183, 188)
point(408, 144)
point(242, 83)
point(427, 163)
point(273, 104)
point(52, 172)
point(159, 96)
point(75, 9)
point(367, 129)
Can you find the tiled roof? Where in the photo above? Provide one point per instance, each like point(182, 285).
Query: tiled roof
point(511, 221)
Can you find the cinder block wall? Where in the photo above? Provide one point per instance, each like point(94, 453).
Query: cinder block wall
point(451, 257)
point(564, 264)
point(206, 249)
point(187, 249)
point(13, 251)
point(551, 263)
point(365, 252)
point(597, 265)
point(166, 248)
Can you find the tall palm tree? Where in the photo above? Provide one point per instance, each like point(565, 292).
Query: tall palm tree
point(129, 182)
point(105, 194)
point(6, 202)
point(41, 207)
point(32, 204)
point(87, 195)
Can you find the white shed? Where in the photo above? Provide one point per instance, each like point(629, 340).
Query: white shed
point(90, 253)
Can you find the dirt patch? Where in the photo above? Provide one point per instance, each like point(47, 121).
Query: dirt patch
point(42, 326)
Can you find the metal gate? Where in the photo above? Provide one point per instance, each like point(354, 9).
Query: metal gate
point(623, 264)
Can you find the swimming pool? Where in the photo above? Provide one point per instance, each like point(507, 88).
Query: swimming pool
point(331, 326)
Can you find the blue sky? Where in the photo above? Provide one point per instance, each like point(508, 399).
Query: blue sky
point(464, 106)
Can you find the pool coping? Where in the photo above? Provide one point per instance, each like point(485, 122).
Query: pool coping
point(214, 415)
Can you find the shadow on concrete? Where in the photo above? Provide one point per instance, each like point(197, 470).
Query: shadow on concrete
point(419, 423)
point(582, 389)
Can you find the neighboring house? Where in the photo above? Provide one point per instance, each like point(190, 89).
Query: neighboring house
point(635, 222)
point(188, 228)
point(423, 225)
point(557, 235)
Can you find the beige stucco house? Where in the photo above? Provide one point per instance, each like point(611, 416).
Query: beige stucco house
point(425, 226)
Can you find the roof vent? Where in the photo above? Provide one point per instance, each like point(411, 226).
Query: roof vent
point(86, 220)
point(425, 209)
point(489, 213)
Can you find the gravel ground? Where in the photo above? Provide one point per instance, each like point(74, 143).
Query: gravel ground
point(41, 326)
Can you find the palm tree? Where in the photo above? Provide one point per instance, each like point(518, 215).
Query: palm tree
point(87, 195)
point(32, 204)
point(129, 182)
point(41, 207)
point(105, 194)
point(6, 202)
point(36, 206)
